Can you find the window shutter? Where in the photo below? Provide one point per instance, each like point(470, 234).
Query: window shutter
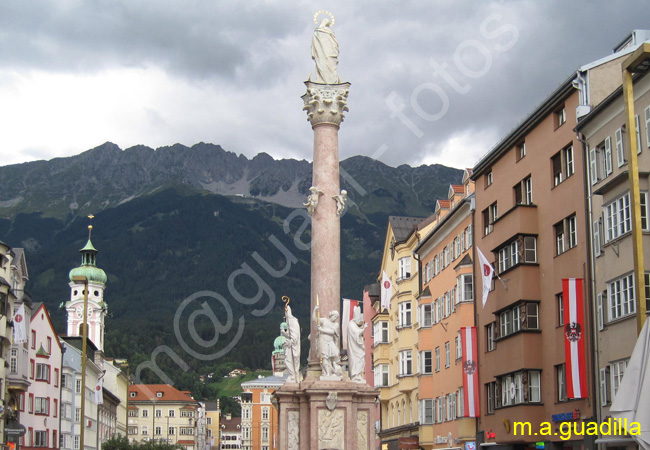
point(647, 126)
point(603, 387)
point(596, 236)
point(608, 155)
point(638, 133)
point(620, 155)
point(593, 166)
point(600, 311)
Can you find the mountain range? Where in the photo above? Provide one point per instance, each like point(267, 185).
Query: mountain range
point(178, 222)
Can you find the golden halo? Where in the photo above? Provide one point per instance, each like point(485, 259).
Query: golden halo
point(322, 11)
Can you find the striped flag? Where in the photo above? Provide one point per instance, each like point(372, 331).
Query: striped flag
point(470, 371)
point(346, 315)
point(574, 333)
point(386, 291)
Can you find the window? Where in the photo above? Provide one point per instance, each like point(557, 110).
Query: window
point(426, 411)
point(405, 363)
point(33, 333)
point(190, 431)
point(647, 291)
point(461, 402)
point(566, 235)
point(440, 401)
point(426, 362)
point(489, 216)
point(158, 430)
point(559, 300)
point(76, 442)
point(381, 375)
point(489, 178)
point(381, 332)
point(171, 431)
point(56, 377)
point(468, 237)
point(171, 413)
point(513, 388)
point(523, 249)
point(145, 413)
point(524, 191)
point(158, 413)
point(265, 397)
point(490, 335)
point(465, 287)
point(521, 150)
point(13, 361)
point(617, 217)
point(41, 405)
point(560, 376)
point(459, 346)
point(265, 433)
point(404, 268)
point(265, 413)
point(133, 430)
point(560, 117)
point(620, 152)
point(511, 320)
point(145, 429)
point(617, 370)
point(437, 359)
point(42, 372)
point(426, 315)
point(133, 413)
point(621, 297)
point(77, 415)
point(451, 406)
point(404, 314)
point(563, 165)
point(40, 438)
point(77, 386)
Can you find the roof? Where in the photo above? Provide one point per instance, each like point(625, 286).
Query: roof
point(271, 381)
point(458, 188)
point(373, 289)
point(403, 226)
point(231, 425)
point(212, 406)
point(147, 392)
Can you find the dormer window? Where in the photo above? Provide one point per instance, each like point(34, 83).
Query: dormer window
point(132, 394)
point(159, 394)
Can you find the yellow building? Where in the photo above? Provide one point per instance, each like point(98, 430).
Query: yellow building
point(212, 416)
point(395, 334)
point(162, 412)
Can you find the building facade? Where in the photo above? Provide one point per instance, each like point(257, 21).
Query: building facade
point(160, 411)
point(445, 304)
point(212, 418)
point(259, 418)
point(395, 336)
point(610, 219)
point(230, 433)
point(41, 403)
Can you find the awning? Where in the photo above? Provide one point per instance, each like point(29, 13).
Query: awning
point(614, 440)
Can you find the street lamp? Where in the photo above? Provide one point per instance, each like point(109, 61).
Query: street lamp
point(637, 62)
point(84, 352)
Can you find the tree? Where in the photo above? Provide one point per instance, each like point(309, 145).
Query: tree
point(121, 442)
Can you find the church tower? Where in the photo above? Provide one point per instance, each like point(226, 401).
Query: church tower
point(97, 308)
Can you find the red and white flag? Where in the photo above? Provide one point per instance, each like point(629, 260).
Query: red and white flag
point(346, 316)
point(386, 290)
point(487, 271)
point(99, 395)
point(470, 371)
point(20, 333)
point(574, 334)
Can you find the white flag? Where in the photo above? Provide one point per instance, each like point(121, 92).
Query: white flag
point(486, 272)
point(20, 333)
point(386, 290)
point(99, 395)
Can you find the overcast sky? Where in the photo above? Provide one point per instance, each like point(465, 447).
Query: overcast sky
point(75, 74)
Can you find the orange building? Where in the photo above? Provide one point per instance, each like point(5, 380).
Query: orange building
point(259, 418)
point(445, 304)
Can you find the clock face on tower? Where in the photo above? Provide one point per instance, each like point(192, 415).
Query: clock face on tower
point(80, 311)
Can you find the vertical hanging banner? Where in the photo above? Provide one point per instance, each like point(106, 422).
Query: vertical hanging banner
point(386, 291)
point(574, 334)
point(346, 316)
point(99, 395)
point(470, 371)
point(20, 332)
point(487, 271)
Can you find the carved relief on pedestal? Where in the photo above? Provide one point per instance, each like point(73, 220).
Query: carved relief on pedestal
point(331, 429)
point(326, 103)
point(362, 430)
point(293, 430)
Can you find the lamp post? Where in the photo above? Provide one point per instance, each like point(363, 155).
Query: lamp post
point(637, 62)
point(84, 352)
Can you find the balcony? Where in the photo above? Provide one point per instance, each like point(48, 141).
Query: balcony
point(521, 281)
point(518, 219)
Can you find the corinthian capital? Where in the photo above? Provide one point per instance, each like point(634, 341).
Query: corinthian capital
point(326, 103)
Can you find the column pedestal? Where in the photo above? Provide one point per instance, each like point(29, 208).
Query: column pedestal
point(323, 415)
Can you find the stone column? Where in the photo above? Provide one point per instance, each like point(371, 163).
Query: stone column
point(325, 105)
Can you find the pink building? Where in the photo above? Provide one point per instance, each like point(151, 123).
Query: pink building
point(39, 406)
